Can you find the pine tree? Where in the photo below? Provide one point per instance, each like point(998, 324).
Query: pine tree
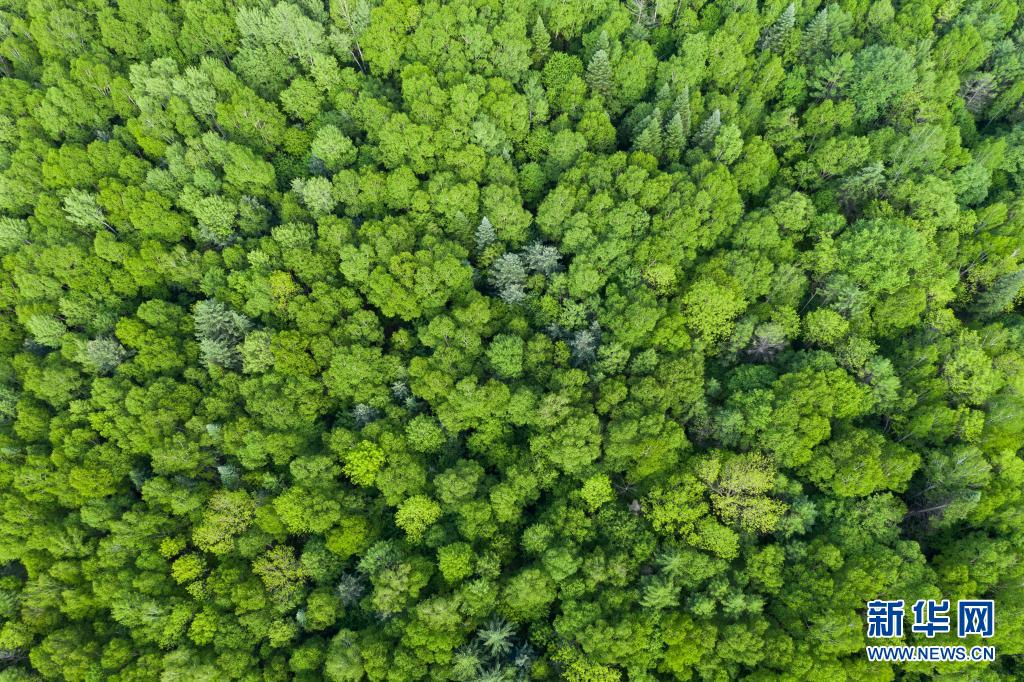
point(229, 475)
point(599, 75)
point(363, 414)
point(541, 41)
point(485, 234)
point(662, 99)
point(705, 134)
point(978, 91)
point(524, 656)
point(467, 662)
point(496, 636)
point(660, 593)
point(682, 108)
point(675, 138)
point(350, 589)
point(542, 258)
point(775, 36)
point(82, 209)
point(493, 674)
point(649, 139)
point(219, 330)
point(104, 354)
point(815, 37)
point(602, 43)
point(400, 390)
point(508, 276)
point(864, 184)
point(507, 270)
point(513, 293)
point(673, 563)
point(8, 403)
point(584, 344)
point(999, 297)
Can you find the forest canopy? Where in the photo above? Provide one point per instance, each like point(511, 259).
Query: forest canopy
point(497, 340)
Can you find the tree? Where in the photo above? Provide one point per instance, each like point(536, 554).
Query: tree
point(333, 147)
point(104, 354)
point(227, 515)
point(343, 662)
point(650, 139)
point(739, 484)
point(541, 40)
point(1000, 297)
point(508, 276)
point(707, 130)
point(977, 92)
point(82, 210)
point(363, 463)
point(542, 258)
point(281, 573)
point(485, 234)
point(599, 75)
point(219, 331)
point(495, 637)
point(675, 137)
point(681, 108)
point(815, 39)
point(881, 75)
point(728, 144)
point(527, 595)
point(711, 307)
point(455, 561)
point(416, 514)
point(775, 36)
point(506, 356)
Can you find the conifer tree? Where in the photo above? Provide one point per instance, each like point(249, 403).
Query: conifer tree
point(1000, 296)
point(485, 234)
point(496, 637)
point(219, 330)
point(775, 36)
point(664, 97)
point(649, 140)
point(599, 75)
point(584, 344)
point(82, 210)
point(541, 258)
point(815, 36)
point(705, 134)
point(508, 276)
point(104, 354)
point(682, 108)
point(541, 41)
point(675, 137)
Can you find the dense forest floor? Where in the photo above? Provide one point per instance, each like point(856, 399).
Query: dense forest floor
point(483, 340)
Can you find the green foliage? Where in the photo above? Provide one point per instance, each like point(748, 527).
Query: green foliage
point(219, 330)
point(416, 514)
point(774, 37)
point(391, 340)
point(506, 356)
